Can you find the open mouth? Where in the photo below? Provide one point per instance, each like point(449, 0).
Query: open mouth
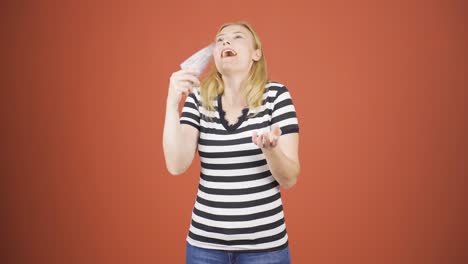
point(228, 53)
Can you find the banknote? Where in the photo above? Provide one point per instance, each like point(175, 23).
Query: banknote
point(199, 60)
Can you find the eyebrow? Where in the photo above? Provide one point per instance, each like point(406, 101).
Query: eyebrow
point(232, 33)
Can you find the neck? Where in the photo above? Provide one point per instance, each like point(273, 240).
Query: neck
point(234, 89)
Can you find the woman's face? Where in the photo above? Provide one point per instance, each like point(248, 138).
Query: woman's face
point(234, 50)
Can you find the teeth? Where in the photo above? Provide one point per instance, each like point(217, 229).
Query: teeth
point(228, 53)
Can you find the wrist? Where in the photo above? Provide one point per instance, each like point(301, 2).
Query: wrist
point(172, 105)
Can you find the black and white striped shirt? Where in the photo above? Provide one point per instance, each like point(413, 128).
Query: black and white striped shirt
point(238, 205)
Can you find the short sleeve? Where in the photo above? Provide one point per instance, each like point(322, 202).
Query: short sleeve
point(284, 113)
point(190, 112)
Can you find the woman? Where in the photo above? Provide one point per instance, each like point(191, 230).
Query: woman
point(246, 132)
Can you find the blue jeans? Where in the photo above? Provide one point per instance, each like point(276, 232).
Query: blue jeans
point(196, 255)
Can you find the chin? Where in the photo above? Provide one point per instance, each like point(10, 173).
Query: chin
point(231, 70)
point(225, 70)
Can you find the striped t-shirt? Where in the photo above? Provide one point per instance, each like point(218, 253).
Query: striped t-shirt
point(238, 205)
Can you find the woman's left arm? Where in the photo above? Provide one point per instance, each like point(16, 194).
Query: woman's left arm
point(282, 155)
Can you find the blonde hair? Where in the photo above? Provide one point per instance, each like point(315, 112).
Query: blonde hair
point(212, 85)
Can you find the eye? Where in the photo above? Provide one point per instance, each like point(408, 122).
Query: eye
point(238, 36)
point(219, 39)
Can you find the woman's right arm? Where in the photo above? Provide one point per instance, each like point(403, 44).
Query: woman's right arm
point(179, 140)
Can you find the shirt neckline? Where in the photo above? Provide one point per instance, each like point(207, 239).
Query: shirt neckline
point(223, 120)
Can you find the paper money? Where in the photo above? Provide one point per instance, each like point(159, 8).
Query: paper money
point(199, 60)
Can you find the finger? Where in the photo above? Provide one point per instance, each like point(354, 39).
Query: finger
point(259, 140)
point(276, 130)
point(184, 90)
point(270, 137)
point(264, 140)
point(269, 140)
point(191, 78)
point(185, 77)
point(193, 71)
point(176, 75)
point(274, 142)
point(254, 137)
point(187, 71)
point(184, 83)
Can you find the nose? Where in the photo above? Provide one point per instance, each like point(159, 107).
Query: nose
point(226, 41)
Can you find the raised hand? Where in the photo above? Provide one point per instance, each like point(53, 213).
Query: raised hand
point(181, 82)
point(267, 140)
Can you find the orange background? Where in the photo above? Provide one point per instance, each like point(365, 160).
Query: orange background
point(380, 91)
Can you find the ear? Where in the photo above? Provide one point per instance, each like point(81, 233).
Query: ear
point(257, 55)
